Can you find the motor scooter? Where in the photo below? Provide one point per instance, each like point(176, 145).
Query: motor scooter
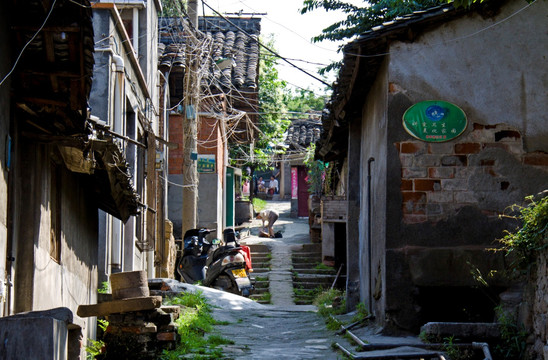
point(224, 267)
point(229, 265)
point(191, 265)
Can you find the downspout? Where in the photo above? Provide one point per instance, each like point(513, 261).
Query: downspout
point(117, 127)
point(370, 298)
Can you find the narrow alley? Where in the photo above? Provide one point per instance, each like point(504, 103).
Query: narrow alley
point(280, 329)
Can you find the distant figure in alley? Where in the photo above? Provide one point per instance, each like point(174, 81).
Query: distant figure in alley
point(271, 216)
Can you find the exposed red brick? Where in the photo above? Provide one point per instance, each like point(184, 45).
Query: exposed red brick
point(536, 159)
point(406, 185)
point(467, 148)
point(426, 184)
point(166, 336)
point(485, 162)
point(441, 172)
point(410, 148)
point(413, 196)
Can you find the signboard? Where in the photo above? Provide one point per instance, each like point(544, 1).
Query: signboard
point(206, 163)
point(294, 183)
point(434, 121)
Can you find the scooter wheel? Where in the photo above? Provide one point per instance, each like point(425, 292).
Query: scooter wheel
point(224, 283)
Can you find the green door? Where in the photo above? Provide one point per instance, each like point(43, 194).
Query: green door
point(229, 201)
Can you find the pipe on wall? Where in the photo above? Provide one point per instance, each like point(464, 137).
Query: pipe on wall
point(369, 245)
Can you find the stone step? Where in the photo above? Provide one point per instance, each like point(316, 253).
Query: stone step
point(306, 254)
point(311, 285)
point(261, 284)
point(260, 291)
point(310, 247)
point(258, 248)
point(260, 270)
point(308, 271)
point(320, 279)
point(260, 263)
point(306, 260)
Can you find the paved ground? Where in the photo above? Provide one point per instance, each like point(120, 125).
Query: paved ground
point(281, 330)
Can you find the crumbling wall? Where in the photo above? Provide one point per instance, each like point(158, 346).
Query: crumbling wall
point(487, 168)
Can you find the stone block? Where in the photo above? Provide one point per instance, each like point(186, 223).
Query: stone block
point(462, 331)
point(120, 306)
point(427, 160)
point(441, 148)
point(441, 173)
point(454, 184)
point(454, 160)
point(410, 173)
point(440, 197)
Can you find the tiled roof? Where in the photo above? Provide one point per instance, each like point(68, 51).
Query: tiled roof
point(236, 39)
point(303, 132)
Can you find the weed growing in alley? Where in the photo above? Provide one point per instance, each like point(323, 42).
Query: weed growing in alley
point(96, 347)
point(331, 302)
point(194, 322)
point(361, 313)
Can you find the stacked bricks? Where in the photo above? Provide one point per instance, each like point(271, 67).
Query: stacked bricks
point(143, 334)
point(435, 176)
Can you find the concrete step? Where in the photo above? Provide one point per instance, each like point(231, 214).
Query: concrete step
point(313, 271)
point(311, 285)
point(306, 260)
point(320, 279)
point(256, 248)
point(260, 270)
point(310, 247)
point(261, 284)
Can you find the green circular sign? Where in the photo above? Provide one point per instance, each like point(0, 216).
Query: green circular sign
point(434, 121)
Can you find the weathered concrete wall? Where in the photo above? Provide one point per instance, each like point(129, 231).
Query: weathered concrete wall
point(210, 210)
point(435, 206)
point(4, 131)
point(41, 280)
point(374, 133)
point(492, 68)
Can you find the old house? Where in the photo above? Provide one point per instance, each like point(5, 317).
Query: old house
point(300, 134)
point(56, 174)
point(226, 82)
point(124, 100)
point(424, 202)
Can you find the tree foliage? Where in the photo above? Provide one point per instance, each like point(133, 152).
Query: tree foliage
point(360, 19)
point(171, 8)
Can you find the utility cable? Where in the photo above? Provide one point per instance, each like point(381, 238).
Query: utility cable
point(28, 42)
point(267, 48)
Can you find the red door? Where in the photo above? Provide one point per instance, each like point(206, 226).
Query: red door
point(302, 193)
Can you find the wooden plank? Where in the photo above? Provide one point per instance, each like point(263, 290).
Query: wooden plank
point(120, 306)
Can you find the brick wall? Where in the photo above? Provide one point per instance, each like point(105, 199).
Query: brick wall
point(436, 177)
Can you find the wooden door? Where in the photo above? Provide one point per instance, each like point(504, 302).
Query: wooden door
point(302, 192)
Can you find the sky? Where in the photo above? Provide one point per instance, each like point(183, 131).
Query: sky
point(292, 33)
